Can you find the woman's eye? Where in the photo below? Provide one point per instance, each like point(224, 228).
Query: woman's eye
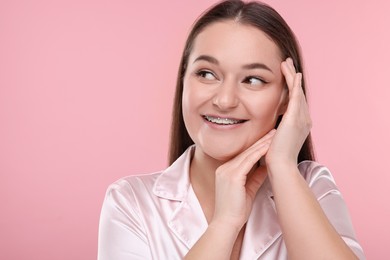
point(206, 74)
point(254, 81)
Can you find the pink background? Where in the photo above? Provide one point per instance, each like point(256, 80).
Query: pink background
point(85, 98)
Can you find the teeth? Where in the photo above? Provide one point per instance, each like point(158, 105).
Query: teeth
point(222, 121)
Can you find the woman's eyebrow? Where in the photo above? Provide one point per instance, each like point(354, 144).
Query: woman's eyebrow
point(207, 58)
point(250, 66)
point(256, 66)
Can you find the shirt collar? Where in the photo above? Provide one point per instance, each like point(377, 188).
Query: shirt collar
point(174, 182)
point(187, 221)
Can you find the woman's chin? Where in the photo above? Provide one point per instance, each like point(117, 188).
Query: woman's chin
point(222, 153)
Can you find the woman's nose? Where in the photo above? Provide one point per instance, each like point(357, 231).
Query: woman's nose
point(226, 97)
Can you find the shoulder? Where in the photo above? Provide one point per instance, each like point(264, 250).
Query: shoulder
point(171, 183)
point(312, 171)
point(128, 191)
point(132, 183)
point(318, 177)
point(147, 179)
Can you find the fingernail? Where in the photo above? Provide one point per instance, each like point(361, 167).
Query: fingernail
point(291, 62)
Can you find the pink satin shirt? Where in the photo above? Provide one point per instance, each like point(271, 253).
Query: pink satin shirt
point(158, 216)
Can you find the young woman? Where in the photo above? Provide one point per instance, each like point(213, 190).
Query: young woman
point(242, 182)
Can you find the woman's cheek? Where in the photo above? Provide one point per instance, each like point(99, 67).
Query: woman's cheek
point(190, 102)
point(267, 105)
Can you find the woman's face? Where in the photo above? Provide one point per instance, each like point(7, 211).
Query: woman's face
point(233, 89)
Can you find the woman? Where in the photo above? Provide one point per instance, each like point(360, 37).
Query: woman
point(236, 188)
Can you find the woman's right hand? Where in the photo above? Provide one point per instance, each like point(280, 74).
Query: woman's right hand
point(236, 184)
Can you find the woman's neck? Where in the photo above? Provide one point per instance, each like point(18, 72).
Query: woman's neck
point(202, 168)
point(202, 177)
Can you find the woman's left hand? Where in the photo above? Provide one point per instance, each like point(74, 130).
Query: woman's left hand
point(295, 125)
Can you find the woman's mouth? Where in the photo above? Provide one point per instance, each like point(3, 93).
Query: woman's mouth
point(223, 120)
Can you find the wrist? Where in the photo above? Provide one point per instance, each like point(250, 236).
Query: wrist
point(225, 229)
point(222, 235)
point(281, 167)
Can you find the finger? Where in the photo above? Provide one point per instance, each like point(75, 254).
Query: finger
point(256, 180)
point(265, 138)
point(289, 72)
point(296, 95)
point(242, 166)
point(291, 66)
point(239, 158)
point(297, 85)
point(251, 159)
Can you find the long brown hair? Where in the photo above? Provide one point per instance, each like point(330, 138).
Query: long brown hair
point(256, 14)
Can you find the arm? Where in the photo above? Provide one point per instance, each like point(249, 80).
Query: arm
point(307, 232)
point(325, 190)
point(120, 230)
point(216, 243)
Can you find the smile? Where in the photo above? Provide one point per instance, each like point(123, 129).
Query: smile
point(223, 121)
